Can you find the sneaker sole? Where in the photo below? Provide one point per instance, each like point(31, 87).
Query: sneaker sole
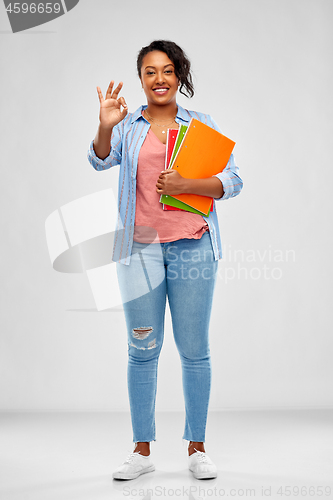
point(204, 475)
point(123, 475)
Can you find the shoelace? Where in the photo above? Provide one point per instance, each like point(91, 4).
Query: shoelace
point(131, 457)
point(202, 457)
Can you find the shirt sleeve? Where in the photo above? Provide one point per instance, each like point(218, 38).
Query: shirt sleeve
point(114, 157)
point(231, 181)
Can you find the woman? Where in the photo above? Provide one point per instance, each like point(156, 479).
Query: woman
point(162, 253)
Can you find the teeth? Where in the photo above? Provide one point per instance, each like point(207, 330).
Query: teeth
point(160, 90)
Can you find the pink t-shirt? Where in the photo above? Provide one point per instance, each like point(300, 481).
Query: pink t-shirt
point(171, 225)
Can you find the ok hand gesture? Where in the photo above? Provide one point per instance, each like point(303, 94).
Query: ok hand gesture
point(110, 110)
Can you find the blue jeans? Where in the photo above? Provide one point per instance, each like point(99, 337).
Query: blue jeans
point(185, 272)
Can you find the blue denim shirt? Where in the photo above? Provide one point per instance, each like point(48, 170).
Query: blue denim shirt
point(126, 141)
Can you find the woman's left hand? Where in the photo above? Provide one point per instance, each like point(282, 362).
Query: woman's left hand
point(170, 182)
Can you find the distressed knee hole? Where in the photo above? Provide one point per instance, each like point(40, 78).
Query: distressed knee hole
point(142, 332)
point(151, 345)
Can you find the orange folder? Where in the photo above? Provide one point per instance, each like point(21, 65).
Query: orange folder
point(204, 152)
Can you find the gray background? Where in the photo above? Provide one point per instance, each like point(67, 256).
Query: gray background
point(262, 69)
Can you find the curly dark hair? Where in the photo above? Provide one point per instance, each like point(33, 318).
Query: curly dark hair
point(179, 59)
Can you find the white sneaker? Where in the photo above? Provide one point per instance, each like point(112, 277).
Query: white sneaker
point(201, 465)
point(134, 465)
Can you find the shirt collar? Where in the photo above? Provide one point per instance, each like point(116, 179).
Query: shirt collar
point(182, 114)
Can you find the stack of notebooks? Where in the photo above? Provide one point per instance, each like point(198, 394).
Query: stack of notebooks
point(197, 151)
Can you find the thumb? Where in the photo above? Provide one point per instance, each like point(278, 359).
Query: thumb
point(168, 171)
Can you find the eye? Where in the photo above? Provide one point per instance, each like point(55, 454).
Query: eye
point(150, 72)
point(168, 71)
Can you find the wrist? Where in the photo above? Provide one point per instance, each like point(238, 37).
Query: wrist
point(187, 186)
point(105, 128)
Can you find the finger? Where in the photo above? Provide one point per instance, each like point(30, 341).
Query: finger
point(117, 90)
point(100, 95)
point(109, 90)
point(122, 101)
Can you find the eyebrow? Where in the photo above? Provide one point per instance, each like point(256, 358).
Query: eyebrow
point(163, 68)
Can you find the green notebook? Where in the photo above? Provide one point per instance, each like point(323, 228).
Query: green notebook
point(169, 200)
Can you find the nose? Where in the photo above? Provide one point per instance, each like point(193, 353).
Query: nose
point(159, 77)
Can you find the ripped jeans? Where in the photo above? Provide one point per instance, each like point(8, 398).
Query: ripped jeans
point(185, 272)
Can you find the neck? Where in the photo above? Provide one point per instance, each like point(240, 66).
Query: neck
point(166, 112)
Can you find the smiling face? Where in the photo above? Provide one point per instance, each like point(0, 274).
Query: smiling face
point(158, 79)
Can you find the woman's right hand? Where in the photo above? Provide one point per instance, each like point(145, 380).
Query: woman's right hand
point(110, 111)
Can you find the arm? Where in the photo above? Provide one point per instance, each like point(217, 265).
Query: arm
point(222, 186)
point(172, 183)
point(102, 142)
point(100, 155)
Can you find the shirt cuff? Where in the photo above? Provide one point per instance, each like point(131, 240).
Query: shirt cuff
point(227, 184)
point(96, 162)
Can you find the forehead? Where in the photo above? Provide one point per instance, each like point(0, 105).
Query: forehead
point(156, 59)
